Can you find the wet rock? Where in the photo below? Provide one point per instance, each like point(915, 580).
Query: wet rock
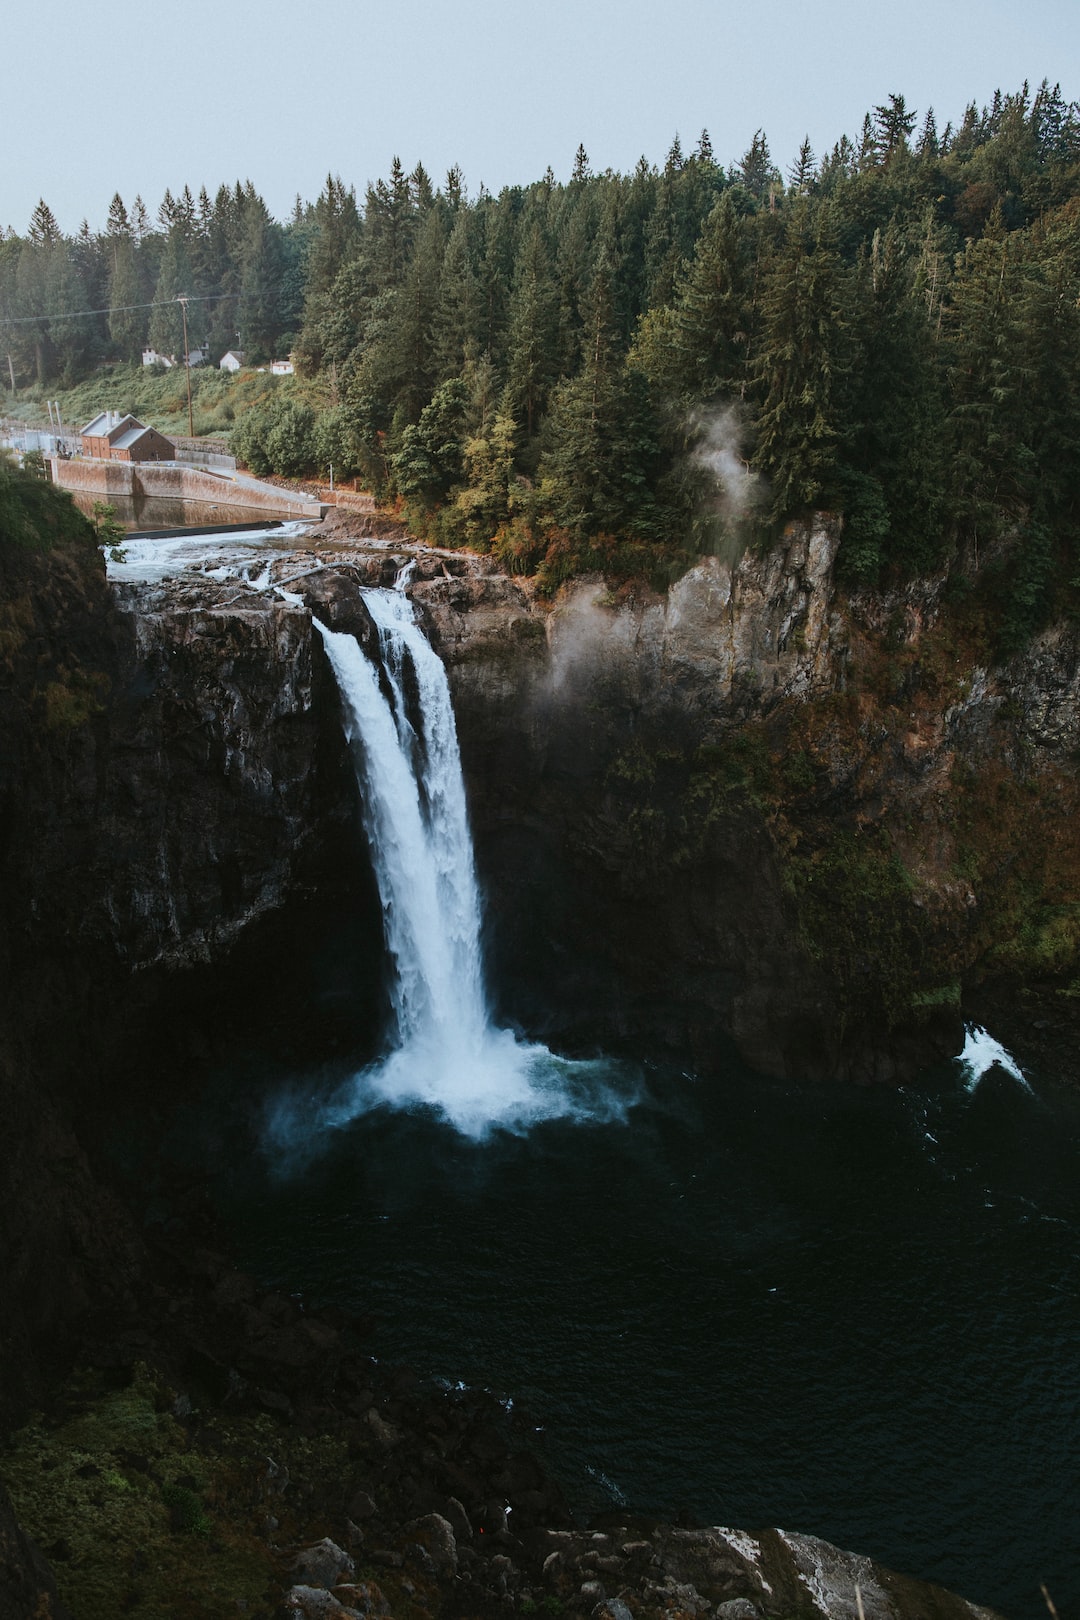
point(363, 1598)
point(315, 1603)
point(436, 1535)
point(420, 1559)
point(836, 1581)
point(676, 1596)
point(458, 1519)
point(554, 1565)
point(710, 1561)
point(325, 1564)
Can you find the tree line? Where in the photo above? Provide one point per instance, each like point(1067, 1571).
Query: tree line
point(68, 303)
point(615, 370)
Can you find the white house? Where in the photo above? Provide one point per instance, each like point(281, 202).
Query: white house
point(231, 361)
point(282, 368)
point(150, 357)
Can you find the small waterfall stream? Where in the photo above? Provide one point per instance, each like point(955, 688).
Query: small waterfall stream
point(445, 1053)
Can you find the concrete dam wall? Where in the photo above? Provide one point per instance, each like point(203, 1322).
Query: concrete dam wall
point(217, 491)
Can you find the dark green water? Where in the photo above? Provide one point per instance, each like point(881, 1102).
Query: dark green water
point(855, 1313)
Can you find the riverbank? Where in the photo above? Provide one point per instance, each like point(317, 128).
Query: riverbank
point(220, 1450)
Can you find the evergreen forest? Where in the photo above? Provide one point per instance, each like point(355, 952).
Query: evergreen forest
point(625, 370)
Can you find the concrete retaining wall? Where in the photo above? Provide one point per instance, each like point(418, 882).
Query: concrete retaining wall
point(170, 480)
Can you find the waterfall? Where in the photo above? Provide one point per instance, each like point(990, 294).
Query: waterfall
point(445, 1054)
point(414, 812)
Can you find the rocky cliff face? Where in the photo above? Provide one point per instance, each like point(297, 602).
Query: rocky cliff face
point(169, 780)
point(748, 810)
point(756, 809)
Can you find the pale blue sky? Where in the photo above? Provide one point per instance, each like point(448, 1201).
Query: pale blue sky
point(137, 99)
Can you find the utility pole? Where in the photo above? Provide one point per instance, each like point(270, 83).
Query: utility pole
point(11, 373)
point(182, 301)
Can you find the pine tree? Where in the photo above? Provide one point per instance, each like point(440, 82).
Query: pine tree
point(893, 472)
point(455, 187)
point(495, 272)
point(166, 333)
point(421, 189)
point(532, 341)
point(118, 223)
point(261, 267)
point(168, 214)
point(838, 167)
point(892, 126)
point(697, 347)
point(338, 234)
point(400, 355)
point(755, 170)
point(72, 334)
point(801, 173)
point(390, 220)
point(43, 230)
point(986, 362)
point(457, 319)
point(127, 323)
point(801, 362)
point(868, 147)
point(928, 145)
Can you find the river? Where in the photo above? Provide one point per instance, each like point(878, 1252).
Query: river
point(851, 1312)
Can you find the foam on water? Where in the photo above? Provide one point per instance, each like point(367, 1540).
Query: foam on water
point(231, 556)
point(982, 1053)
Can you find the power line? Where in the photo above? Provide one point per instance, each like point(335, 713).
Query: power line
point(113, 309)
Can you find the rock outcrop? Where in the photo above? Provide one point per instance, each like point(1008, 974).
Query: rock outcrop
point(756, 809)
point(630, 1572)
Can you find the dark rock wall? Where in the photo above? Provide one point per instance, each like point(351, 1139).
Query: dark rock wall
point(172, 786)
point(620, 909)
point(756, 810)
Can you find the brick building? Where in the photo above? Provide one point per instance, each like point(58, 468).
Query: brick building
point(112, 437)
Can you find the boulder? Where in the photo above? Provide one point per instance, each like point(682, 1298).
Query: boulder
point(325, 1564)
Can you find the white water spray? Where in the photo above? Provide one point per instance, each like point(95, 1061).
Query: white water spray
point(446, 1056)
point(982, 1053)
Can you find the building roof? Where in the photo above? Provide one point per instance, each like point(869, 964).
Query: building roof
point(102, 425)
point(130, 437)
